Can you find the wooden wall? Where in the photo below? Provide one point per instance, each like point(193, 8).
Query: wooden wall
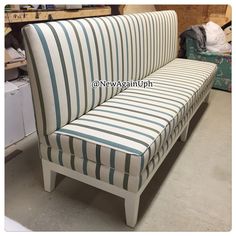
point(129, 9)
point(198, 14)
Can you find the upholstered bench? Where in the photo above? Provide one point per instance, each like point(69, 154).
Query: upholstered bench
point(111, 138)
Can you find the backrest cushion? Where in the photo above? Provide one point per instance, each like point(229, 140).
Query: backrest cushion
point(64, 57)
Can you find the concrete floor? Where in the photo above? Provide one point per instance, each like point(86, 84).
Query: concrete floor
point(190, 192)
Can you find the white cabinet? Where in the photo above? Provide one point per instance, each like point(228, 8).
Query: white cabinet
point(14, 129)
point(19, 114)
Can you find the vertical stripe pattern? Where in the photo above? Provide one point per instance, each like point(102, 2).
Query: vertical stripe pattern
point(115, 136)
point(70, 55)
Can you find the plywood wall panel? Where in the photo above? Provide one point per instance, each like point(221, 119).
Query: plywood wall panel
point(196, 14)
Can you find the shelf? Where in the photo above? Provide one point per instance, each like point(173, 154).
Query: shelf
point(45, 15)
point(13, 65)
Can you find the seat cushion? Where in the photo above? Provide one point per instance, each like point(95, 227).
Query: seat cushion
point(127, 131)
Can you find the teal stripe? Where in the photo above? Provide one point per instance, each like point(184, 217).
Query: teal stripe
point(104, 53)
point(117, 126)
point(76, 78)
point(148, 95)
point(72, 162)
point(155, 110)
point(117, 54)
point(124, 121)
point(138, 118)
point(98, 161)
point(175, 85)
point(71, 146)
point(131, 47)
point(127, 169)
point(149, 34)
point(176, 93)
point(185, 90)
point(159, 40)
point(153, 49)
point(111, 55)
point(140, 112)
point(88, 48)
point(99, 140)
point(52, 74)
point(58, 139)
point(142, 162)
point(72, 156)
point(167, 20)
point(49, 153)
point(85, 158)
point(142, 107)
point(140, 181)
point(173, 75)
point(112, 133)
point(167, 49)
point(127, 162)
point(37, 80)
point(134, 65)
point(98, 58)
point(155, 43)
point(155, 148)
point(172, 95)
point(149, 153)
point(127, 45)
point(122, 48)
point(130, 116)
point(159, 146)
point(147, 98)
point(60, 158)
point(127, 98)
point(82, 64)
point(112, 166)
point(147, 169)
point(63, 65)
point(173, 30)
point(150, 45)
point(138, 49)
point(125, 181)
point(144, 46)
point(163, 40)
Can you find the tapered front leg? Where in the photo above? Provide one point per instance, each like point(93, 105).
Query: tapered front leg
point(207, 98)
point(131, 209)
point(184, 135)
point(49, 176)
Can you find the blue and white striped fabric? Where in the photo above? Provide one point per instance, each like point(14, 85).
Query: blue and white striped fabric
point(66, 56)
point(126, 132)
point(112, 135)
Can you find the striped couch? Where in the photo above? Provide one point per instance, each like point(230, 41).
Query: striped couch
point(110, 137)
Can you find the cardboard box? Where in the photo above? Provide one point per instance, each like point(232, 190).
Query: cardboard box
point(14, 128)
point(26, 105)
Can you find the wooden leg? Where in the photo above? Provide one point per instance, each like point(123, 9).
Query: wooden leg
point(49, 176)
point(131, 209)
point(207, 98)
point(184, 135)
